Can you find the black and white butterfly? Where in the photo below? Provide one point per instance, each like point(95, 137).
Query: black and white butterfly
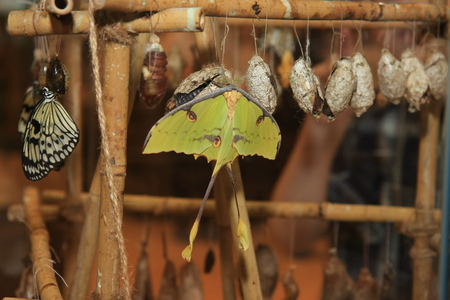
point(32, 97)
point(50, 137)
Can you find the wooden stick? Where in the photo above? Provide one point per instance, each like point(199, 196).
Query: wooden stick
point(40, 250)
point(33, 23)
point(88, 241)
point(259, 209)
point(111, 258)
point(424, 227)
point(247, 267)
point(71, 56)
point(320, 24)
point(59, 8)
point(291, 9)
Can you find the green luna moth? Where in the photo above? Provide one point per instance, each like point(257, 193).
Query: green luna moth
point(220, 126)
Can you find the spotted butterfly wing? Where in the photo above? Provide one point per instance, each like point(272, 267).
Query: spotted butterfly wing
point(50, 137)
point(32, 97)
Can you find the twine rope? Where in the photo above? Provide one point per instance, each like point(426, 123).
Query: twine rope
point(114, 198)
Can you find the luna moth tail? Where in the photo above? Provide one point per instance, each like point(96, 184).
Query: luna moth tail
point(187, 252)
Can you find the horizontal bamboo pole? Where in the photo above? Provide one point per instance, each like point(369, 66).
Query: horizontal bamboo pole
point(41, 257)
point(35, 23)
point(260, 209)
point(319, 24)
point(291, 9)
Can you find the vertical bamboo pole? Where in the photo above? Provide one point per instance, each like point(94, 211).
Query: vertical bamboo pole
point(225, 240)
point(88, 242)
point(247, 267)
point(46, 284)
point(115, 104)
point(421, 252)
point(73, 210)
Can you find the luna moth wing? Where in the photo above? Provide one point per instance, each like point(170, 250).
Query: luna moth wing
point(252, 129)
point(190, 128)
point(255, 131)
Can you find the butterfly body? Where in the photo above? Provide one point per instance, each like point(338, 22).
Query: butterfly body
point(49, 138)
point(220, 126)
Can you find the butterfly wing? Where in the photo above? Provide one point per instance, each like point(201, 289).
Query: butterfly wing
point(50, 137)
point(32, 97)
point(190, 128)
point(255, 131)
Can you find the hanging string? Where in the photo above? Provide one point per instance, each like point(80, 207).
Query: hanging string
point(265, 33)
point(114, 196)
point(254, 37)
point(307, 36)
point(298, 40)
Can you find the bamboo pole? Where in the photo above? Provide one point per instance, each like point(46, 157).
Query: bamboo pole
point(73, 207)
point(34, 23)
point(424, 227)
point(320, 24)
point(40, 250)
point(115, 104)
point(59, 7)
point(291, 9)
point(159, 206)
point(88, 243)
point(247, 267)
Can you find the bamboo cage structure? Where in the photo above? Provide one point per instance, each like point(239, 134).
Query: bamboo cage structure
point(422, 220)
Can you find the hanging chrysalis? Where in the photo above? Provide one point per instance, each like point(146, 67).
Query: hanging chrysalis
point(417, 82)
point(391, 77)
point(366, 288)
point(337, 284)
point(291, 290)
point(57, 77)
point(208, 79)
point(436, 68)
point(267, 262)
point(364, 94)
point(168, 289)
point(191, 287)
point(209, 261)
point(261, 83)
point(143, 288)
point(388, 281)
point(153, 82)
point(340, 87)
point(306, 88)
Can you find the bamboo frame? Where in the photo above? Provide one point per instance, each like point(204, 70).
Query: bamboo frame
point(424, 227)
point(35, 23)
point(246, 260)
point(74, 210)
point(256, 209)
point(319, 24)
point(291, 9)
point(115, 105)
point(53, 7)
point(41, 257)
